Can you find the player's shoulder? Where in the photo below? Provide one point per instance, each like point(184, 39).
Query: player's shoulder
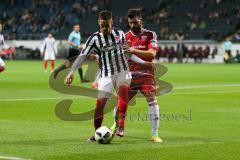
point(73, 33)
point(149, 32)
point(118, 30)
point(128, 33)
point(93, 36)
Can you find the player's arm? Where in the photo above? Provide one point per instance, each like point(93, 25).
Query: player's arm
point(43, 47)
point(55, 47)
point(70, 41)
point(89, 46)
point(151, 53)
point(152, 48)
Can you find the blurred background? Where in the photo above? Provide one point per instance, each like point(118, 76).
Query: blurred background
point(189, 31)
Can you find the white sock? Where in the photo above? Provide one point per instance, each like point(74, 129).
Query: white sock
point(154, 117)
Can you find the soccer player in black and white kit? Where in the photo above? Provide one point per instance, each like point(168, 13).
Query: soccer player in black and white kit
point(108, 43)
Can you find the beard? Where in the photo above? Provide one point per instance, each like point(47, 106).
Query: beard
point(136, 29)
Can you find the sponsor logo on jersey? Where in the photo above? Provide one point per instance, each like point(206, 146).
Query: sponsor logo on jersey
point(143, 38)
point(139, 46)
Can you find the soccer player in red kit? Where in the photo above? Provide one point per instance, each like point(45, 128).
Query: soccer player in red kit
point(143, 44)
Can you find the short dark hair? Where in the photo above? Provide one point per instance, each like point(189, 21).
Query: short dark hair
point(105, 15)
point(76, 23)
point(132, 13)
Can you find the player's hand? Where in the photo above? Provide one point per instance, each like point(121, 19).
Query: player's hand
point(69, 79)
point(1, 52)
point(41, 54)
point(128, 48)
point(79, 47)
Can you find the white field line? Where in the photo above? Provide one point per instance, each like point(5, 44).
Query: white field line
point(176, 88)
point(11, 158)
point(206, 86)
point(39, 99)
point(204, 92)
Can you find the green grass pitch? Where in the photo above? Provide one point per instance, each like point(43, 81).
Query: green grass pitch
point(209, 93)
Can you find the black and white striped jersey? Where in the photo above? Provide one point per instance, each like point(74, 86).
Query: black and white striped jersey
point(109, 49)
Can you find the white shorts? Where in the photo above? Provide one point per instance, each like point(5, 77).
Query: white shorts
point(49, 56)
point(107, 84)
point(2, 64)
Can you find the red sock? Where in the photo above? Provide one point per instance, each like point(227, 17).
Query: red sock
point(2, 68)
point(45, 63)
point(122, 104)
point(98, 116)
point(52, 64)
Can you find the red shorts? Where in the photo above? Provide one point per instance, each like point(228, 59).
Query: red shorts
point(143, 79)
point(144, 83)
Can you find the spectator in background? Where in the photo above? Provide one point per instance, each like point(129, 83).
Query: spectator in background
point(180, 46)
point(228, 47)
point(199, 54)
point(171, 54)
point(214, 52)
point(237, 58)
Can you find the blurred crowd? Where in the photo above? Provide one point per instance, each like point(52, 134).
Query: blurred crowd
point(43, 16)
point(197, 53)
point(199, 19)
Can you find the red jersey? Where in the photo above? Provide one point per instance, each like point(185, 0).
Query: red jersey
point(145, 40)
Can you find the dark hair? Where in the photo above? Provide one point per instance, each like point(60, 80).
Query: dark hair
point(132, 13)
point(105, 15)
point(76, 23)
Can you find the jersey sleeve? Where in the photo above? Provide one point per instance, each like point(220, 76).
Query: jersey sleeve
point(70, 37)
point(55, 46)
point(43, 45)
point(153, 43)
point(89, 46)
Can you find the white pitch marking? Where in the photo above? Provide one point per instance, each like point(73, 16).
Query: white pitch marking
point(38, 99)
point(206, 86)
point(12, 158)
point(176, 88)
point(205, 92)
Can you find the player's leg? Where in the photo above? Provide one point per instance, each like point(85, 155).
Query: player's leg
point(45, 64)
point(70, 59)
point(131, 94)
point(123, 83)
point(105, 91)
point(80, 72)
point(149, 92)
point(2, 65)
point(52, 65)
point(52, 58)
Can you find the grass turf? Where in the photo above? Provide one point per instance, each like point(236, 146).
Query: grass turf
point(209, 93)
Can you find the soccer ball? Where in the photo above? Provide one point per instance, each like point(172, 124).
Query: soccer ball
point(103, 135)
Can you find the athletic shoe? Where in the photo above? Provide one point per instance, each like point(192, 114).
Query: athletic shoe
point(156, 139)
point(120, 132)
point(91, 139)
